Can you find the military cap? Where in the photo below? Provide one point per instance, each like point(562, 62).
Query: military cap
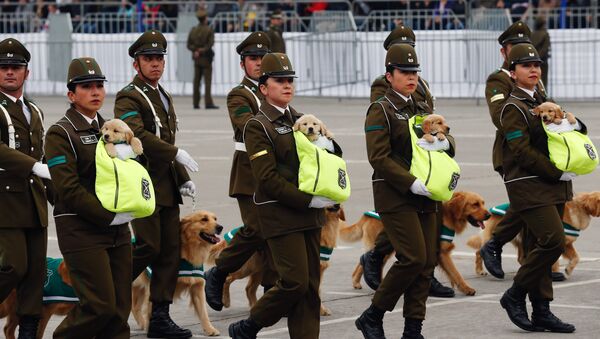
point(276, 65)
point(521, 54)
point(257, 43)
point(201, 13)
point(516, 33)
point(276, 14)
point(400, 35)
point(12, 52)
point(150, 42)
point(402, 57)
point(84, 70)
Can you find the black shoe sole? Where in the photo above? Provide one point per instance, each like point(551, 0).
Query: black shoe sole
point(359, 327)
point(523, 327)
point(442, 295)
point(553, 330)
point(371, 285)
point(156, 335)
point(558, 276)
point(487, 267)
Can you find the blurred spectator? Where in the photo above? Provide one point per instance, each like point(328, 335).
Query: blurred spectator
point(541, 40)
point(489, 3)
point(422, 14)
point(519, 9)
point(275, 33)
point(547, 9)
point(443, 15)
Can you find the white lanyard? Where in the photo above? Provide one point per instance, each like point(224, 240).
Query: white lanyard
point(255, 96)
point(11, 128)
point(156, 119)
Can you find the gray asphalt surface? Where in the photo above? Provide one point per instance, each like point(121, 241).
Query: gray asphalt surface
point(207, 136)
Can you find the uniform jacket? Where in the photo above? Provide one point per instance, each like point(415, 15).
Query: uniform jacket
point(389, 150)
point(497, 91)
point(22, 194)
point(421, 95)
point(530, 177)
point(81, 221)
point(282, 208)
point(540, 39)
point(242, 104)
point(277, 42)
point(202, 38)
point(159, 151)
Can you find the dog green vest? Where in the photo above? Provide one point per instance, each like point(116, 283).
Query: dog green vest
point(55, 289)
point(123, 186)
point(436, 169)
point(321, 173)
point(501, 211)
point(572, 151)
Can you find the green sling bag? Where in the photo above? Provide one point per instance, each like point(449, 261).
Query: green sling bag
point(438, 171)
point(123, 186)
point(572, 151)
point(321, 173)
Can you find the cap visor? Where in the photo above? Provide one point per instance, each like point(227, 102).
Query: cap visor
point(152, 51)
point(407, 68)
point(13, 62)
point(81, 80)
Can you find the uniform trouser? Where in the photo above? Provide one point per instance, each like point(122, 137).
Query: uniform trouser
point(101, 280)
point(245, 243)
point(414, 237)
point(545, 243)
point(23, 266)
point(508, 228)
point(157, 245)
point(296, 293)
point(199, 72)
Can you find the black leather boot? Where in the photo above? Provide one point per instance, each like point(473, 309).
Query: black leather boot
point(543, 318)
point(372, 263)
point(558, 276)
point(491, 253)
point(244, 329)
point(213, 288)
point(28, 326)
point(436, 289)
point(513, 301)
point(412, 329)
point(162, 326)
point(370, 323)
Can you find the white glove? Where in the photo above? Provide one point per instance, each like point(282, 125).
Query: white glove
point(188, 189)
point(121, 218)
point(567, 176)
point(186, 160)
point(41, 170)
point(564, 126)
point(436, 145)
point(124, 152)
point(321, 202)
point(418, 187)
point(324, 143)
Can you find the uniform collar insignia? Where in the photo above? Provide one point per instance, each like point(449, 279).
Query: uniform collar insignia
point(145, 89)
point(4, 102)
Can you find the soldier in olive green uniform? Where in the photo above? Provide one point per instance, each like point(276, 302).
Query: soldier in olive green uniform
point(290, 220)
point(275, 32)
point(537, 190)
point(243, 103)
point(497, 91)
point(541, 41)
point(95, 243)
point(148, 110)
point(200, 41)
point(402, 200)
point(372, 261)
point(24, 222)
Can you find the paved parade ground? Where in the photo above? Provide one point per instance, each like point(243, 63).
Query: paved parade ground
point(207, 136)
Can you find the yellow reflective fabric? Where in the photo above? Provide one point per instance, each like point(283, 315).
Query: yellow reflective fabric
point(321, 173)
point(123, 186)
point(436, 169)
point(572, 151)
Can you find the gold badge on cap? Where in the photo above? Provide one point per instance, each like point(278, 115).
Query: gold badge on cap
point(285, 68)
point(154, 44)
point(259, 45)
point(9, 55)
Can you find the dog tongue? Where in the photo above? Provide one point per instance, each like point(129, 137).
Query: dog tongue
point(481, 224)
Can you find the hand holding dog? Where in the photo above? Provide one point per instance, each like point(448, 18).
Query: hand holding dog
point(436, 145)
point(186, 160)
point(419, 188)
point(188, 189)
point(41, 170)
point(122, 218)
point(124, 152)
point(321, 202)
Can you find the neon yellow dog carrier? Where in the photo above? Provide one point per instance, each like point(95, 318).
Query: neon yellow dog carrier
point(572, 151)
point(123, 186)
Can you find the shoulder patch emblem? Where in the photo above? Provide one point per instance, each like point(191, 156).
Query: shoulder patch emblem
point(258, 154)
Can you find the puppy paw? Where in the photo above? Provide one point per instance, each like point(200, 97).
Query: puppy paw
point(136, 145)
point(211, 331)
point(441, 136)
point(111, 150)
point(357, 286)
point(429, 138)
point(481, 273)
point(571, 118)
point(325, 311)
point(467, 290)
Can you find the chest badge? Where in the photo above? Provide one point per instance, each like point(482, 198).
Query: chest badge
point(89, 139)
point(400, 116)
point(146, 189)
point(283, 129)
point(342, 178)
point(590, 151)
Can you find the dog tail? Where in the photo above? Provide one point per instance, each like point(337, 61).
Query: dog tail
point(352, 233)
point(475, 241)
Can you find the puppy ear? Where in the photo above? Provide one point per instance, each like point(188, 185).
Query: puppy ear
point(128, 136)
point(456, 205)
point(342, 214)
point(537, 110)
point(426, 125)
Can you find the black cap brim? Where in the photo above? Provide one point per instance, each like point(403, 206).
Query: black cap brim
point(88, 78)
point(407, 68)
point(151, 51)
point(256, 52)
point(516, 41)
point(13, 62)
point(282, 75)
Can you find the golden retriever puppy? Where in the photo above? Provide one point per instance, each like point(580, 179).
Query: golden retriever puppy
point(550, 113)
point(8, 308)
point(463, 208)
point(199, 232)
point(434, 126)
point(576, 218)
point(312, 127)
point(116, 131)
point(261, 261)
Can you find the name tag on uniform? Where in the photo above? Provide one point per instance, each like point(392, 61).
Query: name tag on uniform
point(283, 129)
point(89, 139)
point(400, 116)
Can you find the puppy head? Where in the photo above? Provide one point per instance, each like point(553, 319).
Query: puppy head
point(116, 131)
point(468, 206)
point(200, 228)
point(590, 203)
point(435, 123)
point(549, 112)
point(309, 125)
